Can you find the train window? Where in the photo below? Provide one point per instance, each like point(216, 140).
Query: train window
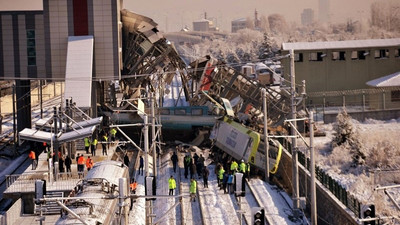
point(197, 112)
point(164, 111)
point(180, 112)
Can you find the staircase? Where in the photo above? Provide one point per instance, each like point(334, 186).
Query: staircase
point(51, 207)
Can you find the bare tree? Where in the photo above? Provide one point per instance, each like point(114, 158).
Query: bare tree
point(277, 23)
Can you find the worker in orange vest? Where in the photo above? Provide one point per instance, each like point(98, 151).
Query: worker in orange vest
point(89, 163)
point(32, 156)
point(81, 165)
point(133, 186)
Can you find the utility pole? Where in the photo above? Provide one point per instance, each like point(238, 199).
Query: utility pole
point(295, 167)
point(314, 217)
point(266, 144)
point(146, 162)
point(14, 119)
point(41, 98)
point(146, 144)
point(153, 134)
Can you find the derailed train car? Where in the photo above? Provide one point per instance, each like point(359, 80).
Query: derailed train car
point(245, 144)
point(97, 193)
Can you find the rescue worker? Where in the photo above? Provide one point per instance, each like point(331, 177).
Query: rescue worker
point(192, 189)
point(221, 172)
point(234, 166)
point(171, 185)
point(133, 187)
point(94, 146)
point(248, 170)
point(89, 163)
point(242, 167)
point(81, 165)
point(87, 144)
point(32, 156)
point(113, 132)
point(104, 143)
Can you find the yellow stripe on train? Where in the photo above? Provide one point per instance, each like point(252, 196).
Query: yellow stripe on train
point(278, 158)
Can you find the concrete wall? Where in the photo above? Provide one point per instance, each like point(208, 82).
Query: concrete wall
point(12, 215)
point(329, 209)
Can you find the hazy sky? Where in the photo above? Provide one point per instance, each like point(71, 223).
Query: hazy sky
point(175, 14)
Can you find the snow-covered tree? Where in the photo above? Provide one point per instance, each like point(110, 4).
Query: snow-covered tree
point(347, 137)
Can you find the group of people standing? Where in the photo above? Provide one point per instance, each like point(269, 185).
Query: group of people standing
point(226, 175)
point(92, 143)
point(194, 168)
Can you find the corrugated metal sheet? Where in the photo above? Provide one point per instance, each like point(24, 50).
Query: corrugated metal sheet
point(79, 69)
point(341, 44)
point(392, 80)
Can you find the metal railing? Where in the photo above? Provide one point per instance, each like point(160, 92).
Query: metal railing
point(348, 199)
point(26, 182)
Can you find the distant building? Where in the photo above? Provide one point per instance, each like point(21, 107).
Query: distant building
point(324, 11)
point(202, 25)
point(307, 17)
point(239, 24)
point(342, 65)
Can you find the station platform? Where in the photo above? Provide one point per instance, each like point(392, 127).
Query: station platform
point(20, 184)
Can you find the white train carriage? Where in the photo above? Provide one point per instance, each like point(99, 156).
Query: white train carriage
point(97, 193)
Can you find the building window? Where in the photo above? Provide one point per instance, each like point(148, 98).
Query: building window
point(395, 96)
point(316, 56)
point(164, 112)
point(339, 56)
point(180, 112)
point(397, 53)
point(381, 53)
point(31, 49)
point(362, 54)
point(298, 57)
point(197, 112)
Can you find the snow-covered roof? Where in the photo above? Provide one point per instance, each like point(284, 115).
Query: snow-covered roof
point(391, 80)
point(341, 44)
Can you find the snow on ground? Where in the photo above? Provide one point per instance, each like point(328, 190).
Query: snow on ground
point(217, 207)
point(137, 216)
point(279, 212)
point(381, 142)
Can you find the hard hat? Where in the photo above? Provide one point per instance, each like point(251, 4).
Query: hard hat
point(242, 160)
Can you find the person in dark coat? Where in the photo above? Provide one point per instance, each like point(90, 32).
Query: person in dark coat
point(126, 160)
point(206, 172)
point(141, 164)
point(187, 162)
point(174, 159)
point(192, 170)
point(61, 164)
point(68, 163)
point(195, 158)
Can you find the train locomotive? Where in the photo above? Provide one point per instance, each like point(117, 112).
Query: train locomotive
point(96, 197)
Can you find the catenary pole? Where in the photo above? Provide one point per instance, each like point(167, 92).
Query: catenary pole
point(295, 168)
point(312, 171)
point(153, 134)
point(266, 144)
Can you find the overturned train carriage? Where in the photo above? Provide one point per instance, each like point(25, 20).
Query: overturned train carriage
point(97, 193)
point(245, 144)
